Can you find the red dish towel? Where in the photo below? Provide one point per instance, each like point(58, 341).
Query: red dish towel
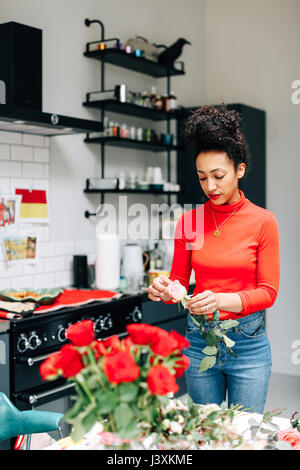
point(70, 298)
point(75, 297)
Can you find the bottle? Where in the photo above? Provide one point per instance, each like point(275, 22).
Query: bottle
point(172, 101)
point(156, 258)
point(165, 102)
point(153, 96)
point(158, 102)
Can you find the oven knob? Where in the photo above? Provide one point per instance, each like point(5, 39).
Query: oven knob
point(98, 325)
point(22, 343)
point(61, 334)
point(107, 323)
point(34, 341)
point(136, 315)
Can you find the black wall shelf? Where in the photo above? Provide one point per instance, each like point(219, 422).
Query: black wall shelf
point(120, 58)
point(128, 191)
point(131, 109)
point(130, 143)
point(130, 61)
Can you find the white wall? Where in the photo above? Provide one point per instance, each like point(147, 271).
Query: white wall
point(251, 57)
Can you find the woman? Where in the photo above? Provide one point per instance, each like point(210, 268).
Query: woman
point(236, 265)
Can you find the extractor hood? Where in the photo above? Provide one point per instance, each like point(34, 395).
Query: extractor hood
point(31, 121)
point(21, 107)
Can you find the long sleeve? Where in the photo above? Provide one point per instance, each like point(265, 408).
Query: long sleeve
point(267, 272)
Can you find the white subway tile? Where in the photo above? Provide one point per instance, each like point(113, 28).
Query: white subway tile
point(23, 281)
point(84, 247)
point(4, 185)
point(10, 137)
point(4, 152)
point(64, 279)
point(41, 184)
point(34, 140)
point(41, 155)
point(10, 169)
point(21, 183)
point(69, 263)
point(46, 171)
point(5, 283)
point(44, 281)
point(33, 170)
point(46, 249)
point(46, 142)
point(9, 270)
point(54, 264)
point(38, 267)
point(64, 248)
point(21, 153)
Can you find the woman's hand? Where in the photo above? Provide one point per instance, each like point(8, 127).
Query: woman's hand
point(203, 303)
point(158, 289)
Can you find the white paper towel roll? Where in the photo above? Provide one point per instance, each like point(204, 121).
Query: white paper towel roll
point(108, 261)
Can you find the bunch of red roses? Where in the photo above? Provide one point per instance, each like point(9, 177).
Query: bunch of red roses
point(118, 382)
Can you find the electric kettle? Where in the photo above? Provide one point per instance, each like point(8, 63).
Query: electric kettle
point(133, 264)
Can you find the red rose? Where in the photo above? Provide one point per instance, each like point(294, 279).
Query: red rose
point(120, 367)
point(181, 340)
point(70, 361)
point(98, 348)
point(181, 365)
point(127, 343)
point(82, 333)
point(164, 345)
point(113, 342)
point(49, 369)
point(142, 333)
point(160, 381)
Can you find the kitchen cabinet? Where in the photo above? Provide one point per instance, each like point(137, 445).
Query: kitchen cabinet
point(253, 123)
point(118, 57)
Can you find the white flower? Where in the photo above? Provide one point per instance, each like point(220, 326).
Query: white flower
point(207, 409)
point(175, 427)
point(166, 423)
point(180, 419)
point(177, 291)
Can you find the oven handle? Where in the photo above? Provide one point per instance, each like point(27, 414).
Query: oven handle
point(32, 399)
point(29, 361)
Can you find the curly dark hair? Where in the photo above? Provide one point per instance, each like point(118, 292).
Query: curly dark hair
point(217, 128)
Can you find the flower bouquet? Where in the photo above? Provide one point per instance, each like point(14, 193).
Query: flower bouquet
point(213, 335)
point(119, 383)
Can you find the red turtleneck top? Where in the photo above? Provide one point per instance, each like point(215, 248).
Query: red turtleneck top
point(244, 259)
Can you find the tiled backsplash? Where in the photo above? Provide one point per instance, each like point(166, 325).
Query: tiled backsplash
point(25, 163)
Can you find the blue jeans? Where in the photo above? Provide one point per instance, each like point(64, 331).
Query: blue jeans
point(245, 378)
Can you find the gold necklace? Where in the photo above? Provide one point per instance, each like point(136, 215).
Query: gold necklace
point(217, 231)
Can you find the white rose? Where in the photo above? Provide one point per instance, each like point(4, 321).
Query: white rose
point(175, 427)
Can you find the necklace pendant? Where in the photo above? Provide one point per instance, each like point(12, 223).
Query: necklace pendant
point(216, 233)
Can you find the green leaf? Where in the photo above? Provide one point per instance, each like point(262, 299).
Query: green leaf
point(226, 324)
point(207, 362)
point(106, 401)
point(229, 343)
point(122, 416)
point(210, 350)
point(75, 410)
point(212, 338)
point(216, 315)
point(127, 391)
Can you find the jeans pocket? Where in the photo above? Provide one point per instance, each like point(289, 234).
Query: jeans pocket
point(254, 329)
point(190, 325)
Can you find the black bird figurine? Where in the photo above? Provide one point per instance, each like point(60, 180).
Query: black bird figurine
point(170, 54)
